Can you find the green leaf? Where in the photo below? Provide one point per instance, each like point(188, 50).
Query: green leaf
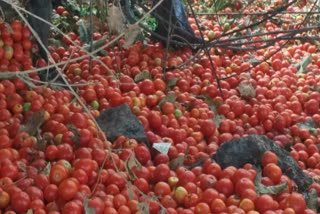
point(96, 44)
point(302, 65)
point(172, 82)
point(309, 124)
point(273, 190)
point(151, 23)
point(169, 98)
point(87, 209)
point(177, 162)
point(142, 76)
point(46, 170)
point(84, 34)
point(311, 199)
point(29, 211)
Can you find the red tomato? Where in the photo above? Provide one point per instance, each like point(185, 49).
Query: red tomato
point(161, 172)
point(58, 173)
point(269, 157)
point(224, 186)
point(20, 202)
point(263, 203)
point(67, 189)
point(295, 201)
point(60, 9)
point(142, 154)
point(155, 121)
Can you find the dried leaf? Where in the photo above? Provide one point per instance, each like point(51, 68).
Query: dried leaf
point(131, 35)
point(143, 207)
point(33, 123)
point(217, 119)
point(163, 210)
point(177, 162)
point(142, 76)
point(162, 147)
point(98, 25)
point(130, 164)
point(130, 190)
point(87, 209)
point(21, 167)
point(115, 19)
point(246, 90)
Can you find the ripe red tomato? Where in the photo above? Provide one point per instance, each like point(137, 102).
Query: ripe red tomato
point(167, 108)
point(60, 9)
point(244, 184)
point(126, 83)
point(142, 184)
point(89, 94)
point(20, 202)
point(17, 35)
point(79, 120)
point(311, 106)
point(147, 87)
point(67, 189)
point(263, 203)
point(208, 127)
point(225, 186)
point(142, 154)
point(1, 52)
point(218, 206)
point(86, 164)
point(16, 25)
point(72, 207)
point(295, 201)
point(58, 173)
point(269, 157)
point(155, 120)
point(161, 172)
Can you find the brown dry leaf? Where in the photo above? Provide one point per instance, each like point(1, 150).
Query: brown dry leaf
point(130, 35)
point(96, 22)
point(130, 164)
point(246, 90)
point(33, 123)
point(115, 19)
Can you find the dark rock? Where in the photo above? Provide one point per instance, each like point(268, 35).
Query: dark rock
point(238, 152)
point(119, 120)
